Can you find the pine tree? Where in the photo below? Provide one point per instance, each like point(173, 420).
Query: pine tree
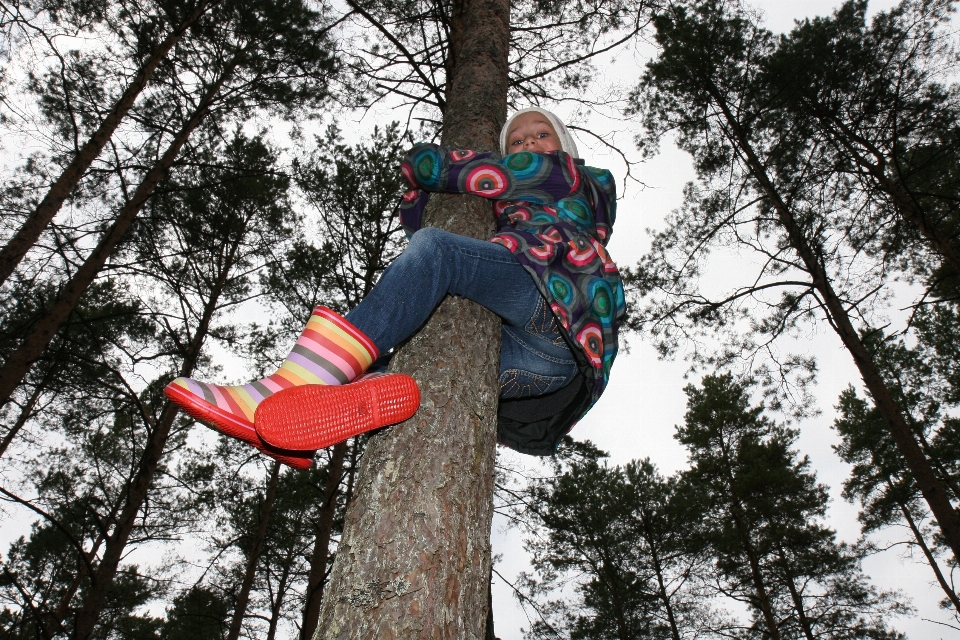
point(926, 381)
point(622, 536)
point(762, 520)
point(455, 58)
point(765, 172)
point(273, 56)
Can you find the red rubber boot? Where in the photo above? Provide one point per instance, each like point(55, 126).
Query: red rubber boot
point(238, 428)
point(318, 416)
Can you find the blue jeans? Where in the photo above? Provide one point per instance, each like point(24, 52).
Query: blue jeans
point(534, 357)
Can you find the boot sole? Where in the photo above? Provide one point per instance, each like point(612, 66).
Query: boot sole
point(319, 416)
point(225, 422)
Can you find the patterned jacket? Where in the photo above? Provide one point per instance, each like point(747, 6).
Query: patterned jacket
point(555, 216)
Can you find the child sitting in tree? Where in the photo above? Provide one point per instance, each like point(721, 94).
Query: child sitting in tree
point(545, 272)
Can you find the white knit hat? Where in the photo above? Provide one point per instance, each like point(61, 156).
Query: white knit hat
point(566, 140)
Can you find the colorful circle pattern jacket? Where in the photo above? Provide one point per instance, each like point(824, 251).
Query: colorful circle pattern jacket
point(556, 216)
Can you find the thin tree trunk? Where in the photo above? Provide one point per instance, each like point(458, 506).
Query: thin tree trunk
point(490, 635)
point(933, 490)
point(414, 559)
point(740, 523)
point(763, 598)
point(55, 622)
point(932, 561)
point(661, 584)
point(321, 545)
point(947, 477)
point(254, 559)
point(14, 251)
point(25, 414)
point(33, 346)
point(904, 201)
point(795, 596)
point(116, 542)
point(278, 604)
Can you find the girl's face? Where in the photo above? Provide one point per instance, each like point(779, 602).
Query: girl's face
point(532, 132)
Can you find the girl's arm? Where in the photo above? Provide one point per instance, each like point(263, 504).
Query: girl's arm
point(536, 177)
point(543, 178)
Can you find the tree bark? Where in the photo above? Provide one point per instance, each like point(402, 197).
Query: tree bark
point(39, 337)
point(14, 251)
point(414, 559)
point(932, 488)
point(251, 569)
point(489, 634)
point(321, 545)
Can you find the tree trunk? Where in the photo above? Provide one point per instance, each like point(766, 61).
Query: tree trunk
point(101, 580)
point(251, 569)
point(932, 561)
point(55, 622)
point(489, 634)
point(414, 559)
point(277, 607)
point(321, 546)
point(661, 583)
point(903, 199)
point(13, 252)
point(25, 414)
point(933, 490)
point(39, 337)
point(743, 531)
point(763, 598)
point(796, 597)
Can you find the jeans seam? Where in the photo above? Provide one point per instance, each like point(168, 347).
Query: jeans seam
point(476, 254)
point(542, 311)
point(532, 349)
point(544, 384)
point(539, 376)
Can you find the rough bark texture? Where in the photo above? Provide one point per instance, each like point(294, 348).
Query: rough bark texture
point(12, 253)
point(414, 559)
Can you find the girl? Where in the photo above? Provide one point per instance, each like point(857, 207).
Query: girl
point(545, 272)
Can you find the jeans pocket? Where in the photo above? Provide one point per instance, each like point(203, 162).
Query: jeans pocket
point(543, 325)
point(517, 383)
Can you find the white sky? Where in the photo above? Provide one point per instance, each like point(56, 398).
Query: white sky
point(645, 399)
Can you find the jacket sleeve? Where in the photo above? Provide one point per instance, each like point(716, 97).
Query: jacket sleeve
point(603, 195)
point(536, 177)
point(411, 210)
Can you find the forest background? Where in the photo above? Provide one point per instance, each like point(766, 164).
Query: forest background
point(173, 545)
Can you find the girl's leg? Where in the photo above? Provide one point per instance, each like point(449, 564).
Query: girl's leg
point(434, 264)
point(534, 357)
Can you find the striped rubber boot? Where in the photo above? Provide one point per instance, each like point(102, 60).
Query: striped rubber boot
point(316, 417)
point(330, 351)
